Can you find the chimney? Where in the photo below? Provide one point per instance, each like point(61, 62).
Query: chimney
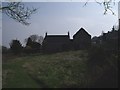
point(68, 34)
point(113, 29)
point(45, 34)
point(119, 25)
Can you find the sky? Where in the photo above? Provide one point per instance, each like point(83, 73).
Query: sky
point(57, 18)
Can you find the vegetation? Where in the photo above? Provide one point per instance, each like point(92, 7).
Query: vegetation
point(16, 46)
point(61, 70)
point(95, 67)
point(18, 12)
point(35, 38)
point(4, 49)
point(107, 5)
point(55, 70)
point(103, 67)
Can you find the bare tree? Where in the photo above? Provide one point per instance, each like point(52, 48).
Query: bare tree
point(107, 4)
point(40, 39)
point(18, 12)
point(35, 38)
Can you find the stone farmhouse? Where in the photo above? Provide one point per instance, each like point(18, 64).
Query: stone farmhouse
point(59, 43)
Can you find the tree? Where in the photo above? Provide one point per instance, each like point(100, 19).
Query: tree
point(29, 42)
point(41, 39)
point(18, 12)
point(35, 38)
point(33, 42)
point(16, 46)
point(107, 4)
point(4, 49)
point(36, 46)
point(32, 46)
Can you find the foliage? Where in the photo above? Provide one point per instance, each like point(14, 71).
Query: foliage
point(36, 45)
point(35, 38)
point(4, 49)
point(102, 65)
point(29, 42)
point(65, 69)
point(32, 46)
point(16, 46)
point(97, 55)
point(60, 70)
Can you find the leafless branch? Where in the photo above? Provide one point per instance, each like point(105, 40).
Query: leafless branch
point(86, 3)
point(107, 4)
point(18, 12)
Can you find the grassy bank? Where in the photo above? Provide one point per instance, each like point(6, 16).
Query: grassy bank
point(67, 69)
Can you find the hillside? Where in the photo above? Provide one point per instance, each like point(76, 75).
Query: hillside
point(66, 69)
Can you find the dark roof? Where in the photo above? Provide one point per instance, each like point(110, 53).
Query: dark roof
point(81, 31)
point(57, 38)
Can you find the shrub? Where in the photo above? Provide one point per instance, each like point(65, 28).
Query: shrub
point(16, 46)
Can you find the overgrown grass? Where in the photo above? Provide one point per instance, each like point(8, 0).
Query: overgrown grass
point(66, 69)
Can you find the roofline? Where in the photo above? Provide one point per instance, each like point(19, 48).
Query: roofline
point(80, 30)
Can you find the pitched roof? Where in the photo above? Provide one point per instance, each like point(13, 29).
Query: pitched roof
point(57, 38)
point(81, 30)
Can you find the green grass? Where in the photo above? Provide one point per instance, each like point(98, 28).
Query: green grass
point(66, 69)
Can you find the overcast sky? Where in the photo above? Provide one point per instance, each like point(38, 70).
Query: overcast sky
point(59, 18)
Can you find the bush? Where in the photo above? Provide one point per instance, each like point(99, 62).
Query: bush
point(102, 67)
point(97, 55)
point(16, 46)
point(32, 46)
point(4, 49)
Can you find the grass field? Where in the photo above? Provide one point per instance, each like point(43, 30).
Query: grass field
point(60, 70)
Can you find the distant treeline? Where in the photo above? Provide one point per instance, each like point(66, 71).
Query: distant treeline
point(33, 44)
point(108, 41)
